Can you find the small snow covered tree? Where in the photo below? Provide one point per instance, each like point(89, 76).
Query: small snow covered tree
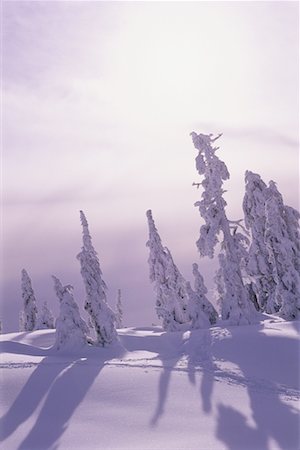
point(101, 315)
point(21, 321)
point(258, 266)
point(169, 285)
point(199, 318)
point(29, 301)
point(235, 303)
point(202, 301)
point(119, 313)
point(71, 329)
point(282, 253)
point(45, 318)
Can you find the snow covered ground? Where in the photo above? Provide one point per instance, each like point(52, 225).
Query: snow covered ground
point(231, 388)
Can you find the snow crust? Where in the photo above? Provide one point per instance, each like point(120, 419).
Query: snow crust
point(226, 387)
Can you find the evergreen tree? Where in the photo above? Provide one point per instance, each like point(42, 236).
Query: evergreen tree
point(235, 303)
point(71, 329)
point(282, 254)
point(119, 313)
point(202, 301)
point(21, 321)
point(101, 315)
point(258, 266)
point(45, 318)
point(29, 301)
point(169, 285)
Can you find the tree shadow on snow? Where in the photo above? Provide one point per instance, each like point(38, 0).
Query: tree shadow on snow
point(64, 396)
point(199, 352)
point(63, 381)
point(170, 353)
point(273, 418)
point(199, 358)
point(31, 395)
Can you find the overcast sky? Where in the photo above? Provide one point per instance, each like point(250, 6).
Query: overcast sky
point(98, 102)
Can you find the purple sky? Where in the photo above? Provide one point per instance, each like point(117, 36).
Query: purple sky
point(99, 99)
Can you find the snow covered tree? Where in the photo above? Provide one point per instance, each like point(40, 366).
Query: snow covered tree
point(199, 318)
point(202, 301)
point(279, 234)
point(258, 266)
point(119, 313)
point(71, 329)
point(101, 315)
point(169, 285)
point(21, 321)
point(235, 303)
point(30, 308)
point(45, 318)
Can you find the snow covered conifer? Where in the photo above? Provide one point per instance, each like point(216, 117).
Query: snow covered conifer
point(235, 303)
point(45, 318)
point(71, 329)
point(119, 313)
point(21, 321)
point(258, 266)
point(101, 315)
point(201, 290)
point(29, 301)
point(169, 285)
point(199, 318)
point(282, 254)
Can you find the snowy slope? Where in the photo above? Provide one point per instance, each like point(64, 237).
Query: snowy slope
point(225, 388)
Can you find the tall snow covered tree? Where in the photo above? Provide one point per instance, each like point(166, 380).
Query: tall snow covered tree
point(119, 312)
point(45, 318)
point(235, 303)
point(201, 290)
point(169, 285)
point(282, 253)
point(71, 329)
point(29, 301)
point(101, 315)
point(258, 266)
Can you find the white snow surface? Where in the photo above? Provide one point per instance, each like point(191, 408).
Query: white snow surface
point(225, 387)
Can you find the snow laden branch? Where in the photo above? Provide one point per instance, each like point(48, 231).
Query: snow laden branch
point(233, 295)
point(102, 317)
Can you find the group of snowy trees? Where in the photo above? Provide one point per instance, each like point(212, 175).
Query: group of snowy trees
point(258, 265)
point(30, 318)
point(71, 329)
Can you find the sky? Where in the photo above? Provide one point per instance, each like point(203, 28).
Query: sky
point(98, 101)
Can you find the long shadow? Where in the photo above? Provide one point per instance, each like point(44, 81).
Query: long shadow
point(31, 395)
point(199, 352)
point(169, 356)
point(236, 434)
point(65, 395)
point(274, 418)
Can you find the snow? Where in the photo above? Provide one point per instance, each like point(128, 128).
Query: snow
point(227, 387)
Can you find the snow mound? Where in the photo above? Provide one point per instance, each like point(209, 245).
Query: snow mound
point(220, 388)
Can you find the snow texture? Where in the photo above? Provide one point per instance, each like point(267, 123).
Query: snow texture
point(234, 299)
point(169, 285)
point(101, 315)
point(221, 388)
point(71, 329)
point(29, 318)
